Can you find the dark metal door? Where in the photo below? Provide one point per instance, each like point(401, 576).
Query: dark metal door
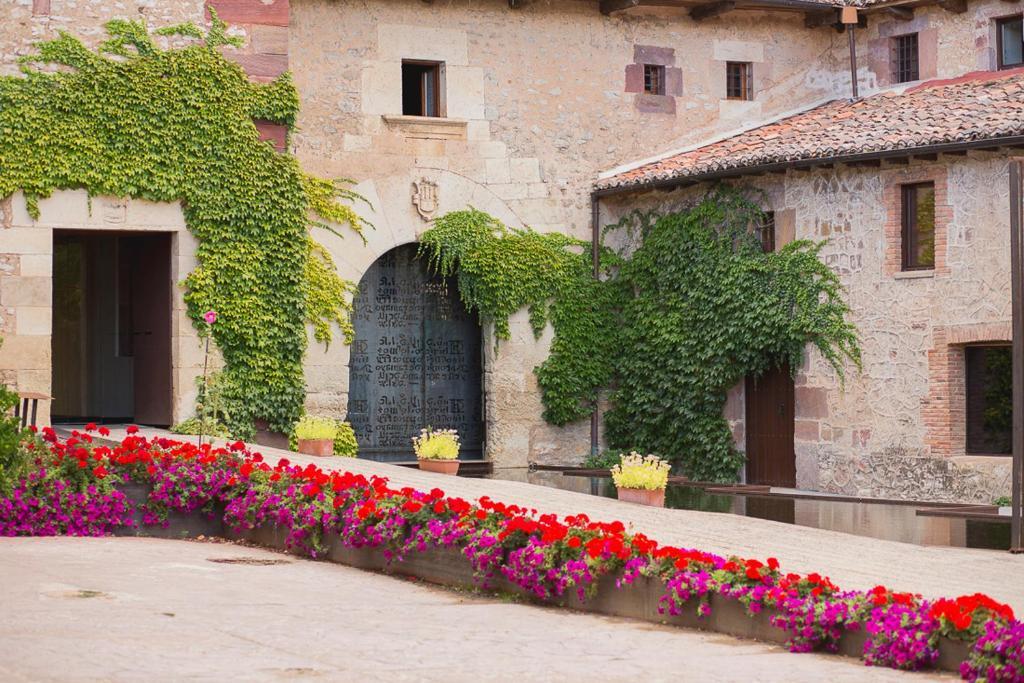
point(415, 361)
point(151, 326)
point(771, 458)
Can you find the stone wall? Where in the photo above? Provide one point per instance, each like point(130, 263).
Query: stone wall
point(949, 44)
point(539, 100)
point(896, 429)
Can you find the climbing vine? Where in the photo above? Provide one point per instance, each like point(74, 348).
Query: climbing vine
point(709, 308)
point(670, 328)
point(131, 119)
point(501, 270)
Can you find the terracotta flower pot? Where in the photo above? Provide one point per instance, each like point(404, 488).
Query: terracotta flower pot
point(321, 447)
point(654, 497)
point(439, 466)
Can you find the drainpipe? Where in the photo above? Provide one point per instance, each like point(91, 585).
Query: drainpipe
point(595, 255)
point(1017, 307)
point(849, 19)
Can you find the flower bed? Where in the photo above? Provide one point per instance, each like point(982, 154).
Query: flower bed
point(171, 488)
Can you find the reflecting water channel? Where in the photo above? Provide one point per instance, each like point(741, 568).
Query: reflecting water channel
point(875, 520)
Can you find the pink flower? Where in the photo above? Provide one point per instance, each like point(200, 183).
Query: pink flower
point(210, 317)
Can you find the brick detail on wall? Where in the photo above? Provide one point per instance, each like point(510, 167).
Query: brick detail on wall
point(944, 411)
point(265, 23)
point(893, 261)
point(272, 13)
point(662, 56)
point(41, 8)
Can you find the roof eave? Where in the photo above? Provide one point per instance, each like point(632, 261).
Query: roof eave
point(740, 171)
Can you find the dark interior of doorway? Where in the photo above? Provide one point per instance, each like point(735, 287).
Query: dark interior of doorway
point(112, 327)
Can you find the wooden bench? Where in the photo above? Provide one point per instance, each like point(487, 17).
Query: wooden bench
point(25, 401)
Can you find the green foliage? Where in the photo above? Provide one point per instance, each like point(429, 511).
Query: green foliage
point(692, 311)
point(13, 459)
point(604, 460)
point(709, 308)
point(314, 427)
point(132, 119)
point(1003, 501)
point(212, 417)
point(345, 444)
point(502, 270)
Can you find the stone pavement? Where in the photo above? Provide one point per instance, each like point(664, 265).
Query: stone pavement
point(851, 561)
point(139, 609)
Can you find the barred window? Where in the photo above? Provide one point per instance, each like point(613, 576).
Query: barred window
point(904, 61)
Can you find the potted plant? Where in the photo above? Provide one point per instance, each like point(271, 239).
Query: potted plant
point(315, 435)
point(641, 479)
point(437, 450)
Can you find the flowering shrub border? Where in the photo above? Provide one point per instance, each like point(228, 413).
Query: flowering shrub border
point(75, 487)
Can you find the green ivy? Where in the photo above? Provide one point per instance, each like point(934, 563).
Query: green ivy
point(502, 270)
point(694, 309)
point(709, 308)
point(133, 120)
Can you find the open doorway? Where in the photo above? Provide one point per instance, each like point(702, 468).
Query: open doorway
point(112, 327)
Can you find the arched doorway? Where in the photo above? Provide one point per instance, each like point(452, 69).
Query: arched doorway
point(415, 360)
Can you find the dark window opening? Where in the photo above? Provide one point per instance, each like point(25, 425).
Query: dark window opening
point(766, 232)
point(989, 400)
point(1010, 42)
point(124, 298)
point(918, 219)
point(421, 88)
point(905, 62)
point(739, 83)
point(654, 79)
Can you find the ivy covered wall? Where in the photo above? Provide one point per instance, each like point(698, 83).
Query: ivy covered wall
point(133, 120)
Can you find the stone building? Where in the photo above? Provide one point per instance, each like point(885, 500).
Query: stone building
point(520, 109)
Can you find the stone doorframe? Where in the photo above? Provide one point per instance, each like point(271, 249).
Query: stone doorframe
point(26, 285)
point(512, 408)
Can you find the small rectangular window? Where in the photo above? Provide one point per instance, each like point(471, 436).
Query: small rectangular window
point(739, 84)
point(1010, 42)
point(918, 218)
point(654, 79)
point(904, 59)
point(989, 399)
point(421, 88)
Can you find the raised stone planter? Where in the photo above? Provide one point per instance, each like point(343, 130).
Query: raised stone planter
point(449, 567)
point(179, 524)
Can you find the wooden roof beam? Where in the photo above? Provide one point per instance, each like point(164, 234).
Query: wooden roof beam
point(609, 6)
point(901, 13)
point(954, 6)
point(712, 9)
point(818, 18)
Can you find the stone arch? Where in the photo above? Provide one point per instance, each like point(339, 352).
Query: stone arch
point(396, 222)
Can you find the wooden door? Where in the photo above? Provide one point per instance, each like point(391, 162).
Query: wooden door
point(771, 458)
point(151, 326)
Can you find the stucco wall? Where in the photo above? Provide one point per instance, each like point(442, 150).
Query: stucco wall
point(896, 428)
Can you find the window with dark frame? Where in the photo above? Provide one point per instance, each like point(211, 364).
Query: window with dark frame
point(654, 79)
point(989, 391)
point(918, 222)
point(739, 83)
point(905, 59)
point(766, 232)
point(421, 88)
point(1010, 42)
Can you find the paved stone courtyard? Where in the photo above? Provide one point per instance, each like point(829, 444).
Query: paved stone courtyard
point(134, 609)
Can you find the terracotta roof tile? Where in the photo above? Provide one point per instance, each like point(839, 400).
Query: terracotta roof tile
point(977, 106)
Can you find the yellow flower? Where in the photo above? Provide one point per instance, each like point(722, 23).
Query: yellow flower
point(441, 444)
point(636, 471)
